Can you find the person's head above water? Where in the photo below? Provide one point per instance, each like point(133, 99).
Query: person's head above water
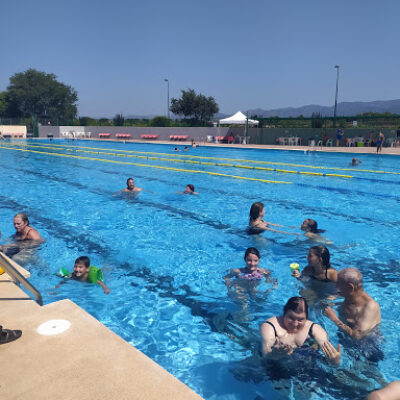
point(309, 225)
point(297, 304)
point(21, 221)
point(295, 314)
point(130, 183)
point(23, 217)
point(252, 258)
point(81, 268)
point(189, 188)
point(351, 278)
point(319, 254)
point(257, 210)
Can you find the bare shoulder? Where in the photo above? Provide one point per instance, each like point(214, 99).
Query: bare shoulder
point(389, 392)
point(332, 274)
point(33, 234)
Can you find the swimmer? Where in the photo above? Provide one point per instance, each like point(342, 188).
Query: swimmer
point(130, 187)
point(310, 226)
point(257, 224)
point(389, 392)
point(23, 231)
point(189, 189)
point(81, 273)
point(360, 313)
point(319, 267)
point(355, 161)
point(176, 149)
point(186, 148)
point(251, 272)
point(282, 335)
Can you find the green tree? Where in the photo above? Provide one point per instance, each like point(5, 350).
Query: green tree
point(192, 105)
point(87, 121)
point(119, 120)
point(160, 121)
point(3, 104)
point(37, 94)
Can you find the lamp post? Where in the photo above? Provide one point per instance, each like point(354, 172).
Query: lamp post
point(166, 80)
point(337, 87)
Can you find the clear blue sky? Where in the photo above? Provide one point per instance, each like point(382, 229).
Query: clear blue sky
point(259, 53)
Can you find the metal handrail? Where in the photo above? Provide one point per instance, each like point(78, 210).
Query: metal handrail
point(18, 277)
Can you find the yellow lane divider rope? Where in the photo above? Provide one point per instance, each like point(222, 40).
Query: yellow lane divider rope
point(145, 165)
point(201, 162)
point(230, 159)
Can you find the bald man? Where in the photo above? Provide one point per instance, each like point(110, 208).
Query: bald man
point(360, 313)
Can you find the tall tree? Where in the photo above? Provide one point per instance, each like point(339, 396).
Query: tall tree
point(119, 120)
point(192, 105)
point(37, 94)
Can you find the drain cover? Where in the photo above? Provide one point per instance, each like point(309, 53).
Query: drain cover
point(53, 327)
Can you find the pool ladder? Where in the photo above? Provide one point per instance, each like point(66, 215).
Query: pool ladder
point(19, 278)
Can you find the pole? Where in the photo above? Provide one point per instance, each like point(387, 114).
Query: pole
point(336, 95)
point(166, 80)
point(247, 127)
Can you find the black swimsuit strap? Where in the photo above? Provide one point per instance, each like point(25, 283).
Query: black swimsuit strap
point(273, 327)
point(310, 330)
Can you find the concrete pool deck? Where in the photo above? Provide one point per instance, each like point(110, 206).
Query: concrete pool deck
point(323, 149)
point(87, 361)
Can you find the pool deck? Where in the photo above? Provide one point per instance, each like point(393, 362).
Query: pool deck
point(326, 149)
point(86, 362)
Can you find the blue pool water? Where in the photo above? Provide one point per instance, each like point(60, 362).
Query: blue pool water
point(164, 254)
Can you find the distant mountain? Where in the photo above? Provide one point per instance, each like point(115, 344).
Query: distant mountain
point(343, 109)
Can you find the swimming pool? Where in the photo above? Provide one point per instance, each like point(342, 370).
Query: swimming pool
point(164, 254)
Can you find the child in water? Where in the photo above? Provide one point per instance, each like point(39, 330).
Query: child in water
point(84, 272)
point(251, 272)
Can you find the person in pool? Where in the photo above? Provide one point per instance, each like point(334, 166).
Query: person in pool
point(250, 273)
point(282, 335)
point(81, 273)
point(256, 222)
point(389, 392)
point(355, 161)
point(189, 189)
point(23, 230)
point(319, 267)
point(130, 187)
point(310, 227)
point(360, 313)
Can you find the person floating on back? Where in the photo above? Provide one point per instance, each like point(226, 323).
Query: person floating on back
point(84, 272)
point(310, 227)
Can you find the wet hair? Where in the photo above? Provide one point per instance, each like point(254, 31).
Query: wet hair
point(83, 260)
point(191, 187)
point(252, 250)
point(322, 252)
point(352, 275)
point(313, 226)
point(297, 304)
point(255, 210)
point(129, 179)
point(23, 216)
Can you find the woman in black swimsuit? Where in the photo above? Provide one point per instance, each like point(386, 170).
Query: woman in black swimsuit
point(282, 335)
point(319, 267)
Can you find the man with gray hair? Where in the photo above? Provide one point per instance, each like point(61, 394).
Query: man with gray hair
point(360, 312)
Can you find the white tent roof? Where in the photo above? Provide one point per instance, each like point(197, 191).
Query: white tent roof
point(238, 118)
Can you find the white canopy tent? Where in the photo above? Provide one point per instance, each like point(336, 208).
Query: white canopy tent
point(238, 119)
